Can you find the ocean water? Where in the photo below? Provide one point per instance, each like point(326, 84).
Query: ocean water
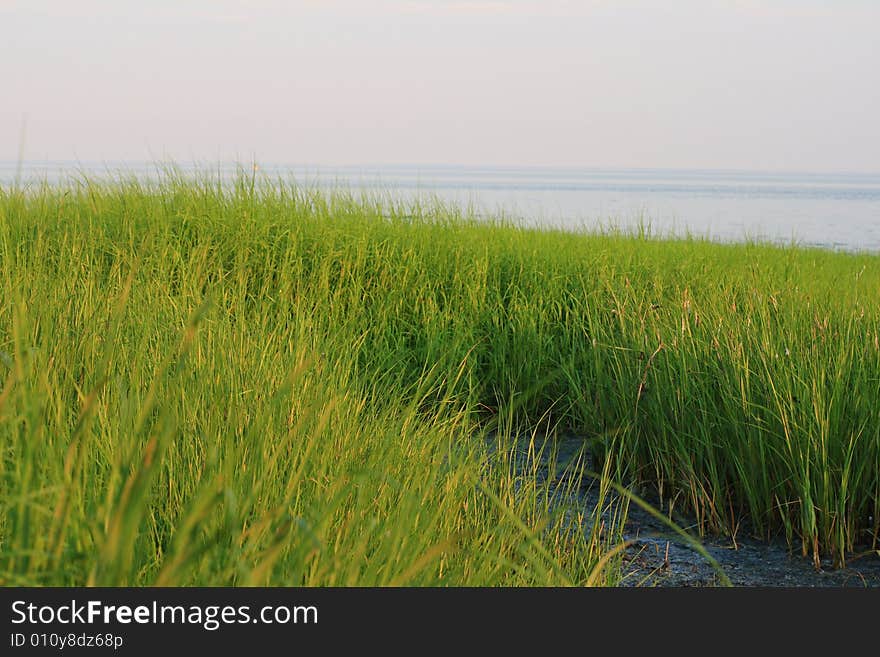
point(831, 210)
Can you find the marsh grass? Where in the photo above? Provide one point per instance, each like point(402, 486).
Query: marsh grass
point(261, 384)
point(215, 386)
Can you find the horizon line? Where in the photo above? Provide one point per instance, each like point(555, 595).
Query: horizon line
point(249, 162)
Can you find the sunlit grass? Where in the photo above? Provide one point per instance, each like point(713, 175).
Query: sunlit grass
point(259, 384)
point(227, 387)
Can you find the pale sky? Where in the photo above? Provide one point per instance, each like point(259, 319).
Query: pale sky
point(785, 85)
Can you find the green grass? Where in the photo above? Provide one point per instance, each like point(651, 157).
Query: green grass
point(266, 385)
point(224, 388)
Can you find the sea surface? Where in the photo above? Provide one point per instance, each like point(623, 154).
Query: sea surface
point(830, 210)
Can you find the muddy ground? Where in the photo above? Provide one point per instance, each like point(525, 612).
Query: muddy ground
point(660, 557)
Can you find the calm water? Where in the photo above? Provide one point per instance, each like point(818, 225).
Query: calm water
point(839, 211)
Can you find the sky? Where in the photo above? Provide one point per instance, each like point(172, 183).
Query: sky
point(790, 85)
